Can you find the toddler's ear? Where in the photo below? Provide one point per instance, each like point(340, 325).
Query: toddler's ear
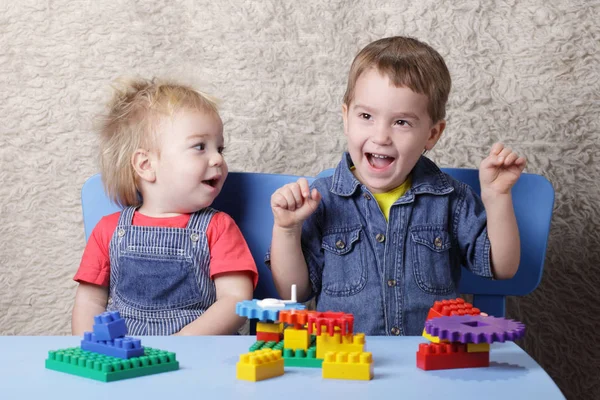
point(143, 164)
point(435, 132)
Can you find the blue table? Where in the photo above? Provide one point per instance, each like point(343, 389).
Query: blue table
point(208, 372)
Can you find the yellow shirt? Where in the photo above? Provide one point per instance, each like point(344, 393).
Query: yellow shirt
point(385, 200)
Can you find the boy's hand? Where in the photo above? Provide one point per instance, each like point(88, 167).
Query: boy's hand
point(500, 170)
point(293, 203)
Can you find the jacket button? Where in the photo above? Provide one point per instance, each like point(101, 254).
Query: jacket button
point(391, 282)
point(395, 331)
point(366, 196)
point(340, 244)
point(380, 237)
point(438, 242)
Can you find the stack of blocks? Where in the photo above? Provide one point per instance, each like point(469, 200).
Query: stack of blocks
point(460, 336)
point(107, 354)
point(310, 339)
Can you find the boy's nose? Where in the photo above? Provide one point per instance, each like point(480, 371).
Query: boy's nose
point(381, 135)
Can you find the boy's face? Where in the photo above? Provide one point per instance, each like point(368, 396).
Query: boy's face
point(190, 169)
point(387, 128)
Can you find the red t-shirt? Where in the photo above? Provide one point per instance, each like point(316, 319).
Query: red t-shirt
point(229, 251)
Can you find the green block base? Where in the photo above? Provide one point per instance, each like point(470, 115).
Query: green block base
point(291, 358)
point(104, 368)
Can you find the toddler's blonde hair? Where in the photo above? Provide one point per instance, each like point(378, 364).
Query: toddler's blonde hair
point(132, 121)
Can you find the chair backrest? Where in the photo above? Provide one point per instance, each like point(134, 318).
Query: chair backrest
point(246, 197)
point(533, 200)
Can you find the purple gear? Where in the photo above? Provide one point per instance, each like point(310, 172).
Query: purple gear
point(474, 329)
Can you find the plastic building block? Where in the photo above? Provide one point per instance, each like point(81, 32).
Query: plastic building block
point(452, 307)
point(103, 368)
point(297, 318)
point(269, 336)
point(252, 309)
point(301, 358)
point(433, 339)
point(478, 348)
point(475, 329)
point(330, 320)
point(296, 339)
point(259, 365)
point(353, 366)
point(261, 344)
point(348, 343)
point(109, 326)
point(436, 356)
point(125, 347)
point(269, 327)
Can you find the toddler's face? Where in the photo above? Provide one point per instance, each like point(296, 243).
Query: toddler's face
point(190, 169)
point(387, 128)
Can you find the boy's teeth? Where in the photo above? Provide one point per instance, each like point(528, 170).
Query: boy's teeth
point(378, 156)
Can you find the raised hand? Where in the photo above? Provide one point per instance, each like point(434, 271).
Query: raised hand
point(499, 171)
point(293, 203)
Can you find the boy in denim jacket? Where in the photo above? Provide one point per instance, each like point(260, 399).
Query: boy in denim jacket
point(386, 235)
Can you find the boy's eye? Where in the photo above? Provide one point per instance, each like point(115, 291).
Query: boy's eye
point(200, 146)
point(365, 116)
point(402, 122)
point(221, 149)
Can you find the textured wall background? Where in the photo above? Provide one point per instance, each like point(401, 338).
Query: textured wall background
point(525, 72)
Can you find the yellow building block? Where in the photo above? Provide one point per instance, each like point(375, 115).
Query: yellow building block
point(353, 366)
point(259, 365)
point(350, 343)
point(296, 339)
point(433, 339)
point(270, 328)
point(478, 347)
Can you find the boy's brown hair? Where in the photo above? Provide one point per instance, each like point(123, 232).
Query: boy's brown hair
point(407, 62)
point(133, 121)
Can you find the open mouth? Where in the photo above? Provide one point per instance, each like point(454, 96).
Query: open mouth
point(211, 182)
point(379, 161)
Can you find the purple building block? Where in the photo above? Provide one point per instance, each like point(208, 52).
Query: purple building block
point(125, 347)
point(109, 326)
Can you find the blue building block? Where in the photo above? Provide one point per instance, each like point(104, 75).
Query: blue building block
point(109, 326)
point(251, 309)
point(125, 347)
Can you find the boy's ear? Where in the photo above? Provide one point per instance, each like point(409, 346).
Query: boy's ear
point(434, 134)
point(143, 164)
point(345, 118)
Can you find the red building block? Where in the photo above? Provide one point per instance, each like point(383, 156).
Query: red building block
point(434, 356)
point(331, 320)
point(269, 336)
point(452, 307)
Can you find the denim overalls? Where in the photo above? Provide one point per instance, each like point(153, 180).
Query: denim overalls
point(160, 277)
point(388, 274)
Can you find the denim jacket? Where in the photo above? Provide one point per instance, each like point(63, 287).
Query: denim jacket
point(388, 274)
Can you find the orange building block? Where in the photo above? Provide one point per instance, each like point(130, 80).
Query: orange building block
point(269, 336)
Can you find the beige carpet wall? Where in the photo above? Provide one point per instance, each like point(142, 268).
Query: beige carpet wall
point(524, 72)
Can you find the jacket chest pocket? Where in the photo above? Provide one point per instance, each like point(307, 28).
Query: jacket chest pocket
point(431, 259)
point(344, 272)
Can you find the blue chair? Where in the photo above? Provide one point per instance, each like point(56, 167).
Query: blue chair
point(533, 199)
point(246, 197)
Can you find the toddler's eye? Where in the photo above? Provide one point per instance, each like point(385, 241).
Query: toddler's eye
point(221, 149)
point(402, 122)
point(200, 146)
point(365, 116)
